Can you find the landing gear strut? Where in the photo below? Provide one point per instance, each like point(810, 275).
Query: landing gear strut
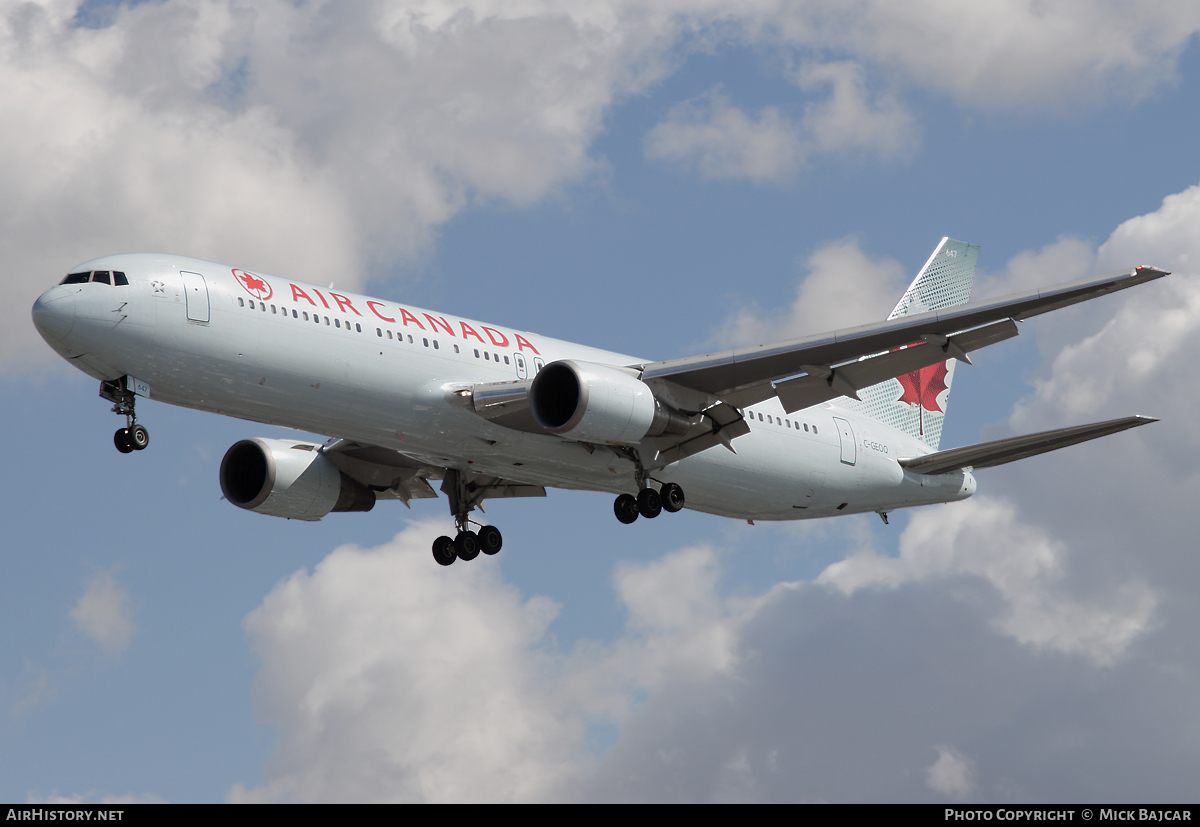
point(133, 437)
point(467, 544)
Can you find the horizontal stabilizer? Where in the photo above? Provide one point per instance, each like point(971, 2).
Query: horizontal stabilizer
point(989, 454)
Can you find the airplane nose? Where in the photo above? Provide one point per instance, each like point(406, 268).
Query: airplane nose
point(54, 314)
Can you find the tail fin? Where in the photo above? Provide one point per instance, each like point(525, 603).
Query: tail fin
point(916, 402)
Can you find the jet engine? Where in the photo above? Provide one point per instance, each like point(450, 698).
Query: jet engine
point(599, 403)
point(289, 479)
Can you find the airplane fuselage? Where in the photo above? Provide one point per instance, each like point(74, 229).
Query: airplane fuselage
point(267, 349)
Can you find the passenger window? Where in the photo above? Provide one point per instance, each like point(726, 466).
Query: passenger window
point(410, 339)
point(435, 344)
point(487, 357)
point(426, 341)
point(358, 327)
point(294, 316)
point(102, 276)
point(306, 316)
point(806, 427)
point(495, 357)
point(262, 306)
point(814, 429)
point(456, 350)
point(119, 279)
point(476, 353)
point(252, 304)
point(506, 360)
point(326, 321)
point(240, 302)
point(389, 334)
point(273, 310)
point(379, 332)
point(760, 419)
point(77, 278)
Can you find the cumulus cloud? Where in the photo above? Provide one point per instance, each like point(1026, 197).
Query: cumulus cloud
point(104, 615)
point(843, 287)
point(987, 539)
point(720, 141)
point(952, 774)
point(386, 675)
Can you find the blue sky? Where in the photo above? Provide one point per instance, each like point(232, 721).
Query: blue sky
point(654, 180)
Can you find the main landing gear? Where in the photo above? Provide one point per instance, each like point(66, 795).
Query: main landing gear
point(133, 437)
point(649, 503)
point(467, 544)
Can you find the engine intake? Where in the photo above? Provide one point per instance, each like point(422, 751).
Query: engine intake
point(600, 403)
point(288, 479)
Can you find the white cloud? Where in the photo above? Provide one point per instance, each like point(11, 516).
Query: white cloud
point(843, 287)
point(387, 675)
point(986, 538)
point(952, 774)
point(722, 142)
point(103, 613)
point(848, 119)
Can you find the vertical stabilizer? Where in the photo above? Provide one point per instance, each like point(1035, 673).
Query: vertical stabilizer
point(916, 402)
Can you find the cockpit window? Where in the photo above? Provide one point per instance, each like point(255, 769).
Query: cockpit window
point(102, 276)
point(119, 278)
point(77, 278)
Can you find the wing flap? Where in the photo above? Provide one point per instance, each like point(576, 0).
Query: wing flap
point(1001, 451)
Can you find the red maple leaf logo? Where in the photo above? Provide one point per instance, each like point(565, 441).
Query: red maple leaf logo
point(922, 387)
point(254, 285)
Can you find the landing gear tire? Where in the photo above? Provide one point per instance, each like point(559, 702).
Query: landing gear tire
point(649, 504)
point(672, 497)
point(626, 508)
point(443, 551)
point(139, 437)
point(490, 540)
point(123, 439)
point(466, 544)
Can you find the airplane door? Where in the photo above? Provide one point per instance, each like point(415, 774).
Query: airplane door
point(522, 370)
point(846, 434)
point(195, 293)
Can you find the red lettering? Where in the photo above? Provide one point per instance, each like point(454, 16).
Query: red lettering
point(405, 316)
point(343, 303)
point(493, 333)
point(297, 293)
point(322, 298)
point(434, 324)
point(467, 330)
point(522, 343)
point(377, 313)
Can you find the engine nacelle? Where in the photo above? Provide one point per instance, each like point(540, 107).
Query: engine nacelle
point(599, 403)
point(289, 479)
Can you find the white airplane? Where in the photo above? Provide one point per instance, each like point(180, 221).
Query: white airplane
point(837, 423)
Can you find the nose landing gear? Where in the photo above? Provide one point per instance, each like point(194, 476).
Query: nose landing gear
point(133, 437)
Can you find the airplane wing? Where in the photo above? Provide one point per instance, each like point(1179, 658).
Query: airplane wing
point(748, 375)
point(1002, 451)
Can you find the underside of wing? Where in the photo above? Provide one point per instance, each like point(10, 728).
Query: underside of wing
point(1002, 451)
point(392, 475)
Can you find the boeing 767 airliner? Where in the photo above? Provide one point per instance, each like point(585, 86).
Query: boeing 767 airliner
point(835, 423)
